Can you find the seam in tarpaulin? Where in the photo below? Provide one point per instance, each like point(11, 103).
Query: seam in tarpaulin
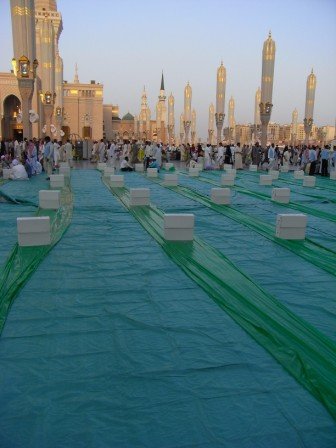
point(308, 355)
point(23, 261)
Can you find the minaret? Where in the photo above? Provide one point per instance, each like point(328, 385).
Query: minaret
point(309, 109)
point(24, 60)
point(220, 100)
point(268, 60)
point(294, 126)
point(211, 122)
point(76, 79)
point(161, 116)
point(232, 122)
point(187, 111)
point(171, 118)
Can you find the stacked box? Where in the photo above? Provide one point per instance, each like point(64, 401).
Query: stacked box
point(281, 195)
point(179, 227)
point(291, 226)
point(108, 171)
point(168, 166)
point(284, 169)
point(333, 175)
point(6, 172)
point(139, 196)
point(309, 181)
point(199, 166)
point(298, 174)
point(101, 166)
point(200, 162)
point(50, 199)
point(221, 195)
point(228, 179)
point(63, 164)
point(117, 180)
point(34, 231)
point(253, 168)
point(139, 167)
point(170, 180)
point(274, 174)
point(193, 172)
point(56, 180)
point(152, 172)
point(265, 179)
point(65, 170)
point(227, 166)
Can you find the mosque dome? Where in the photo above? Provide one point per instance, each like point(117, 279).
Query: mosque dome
point(128, 117)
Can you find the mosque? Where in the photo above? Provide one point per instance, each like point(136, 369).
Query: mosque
point(78, 111)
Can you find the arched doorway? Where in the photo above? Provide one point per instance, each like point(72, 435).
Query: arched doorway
point(11, 129)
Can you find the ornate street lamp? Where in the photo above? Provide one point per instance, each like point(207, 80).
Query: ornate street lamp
point(187, 112)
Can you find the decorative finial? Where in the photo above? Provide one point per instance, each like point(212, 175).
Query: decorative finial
point(312, 71)
point(270, 33)
point(222, 62)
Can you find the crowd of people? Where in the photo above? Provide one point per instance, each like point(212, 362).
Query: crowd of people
point(29, 158)
point(312, 159)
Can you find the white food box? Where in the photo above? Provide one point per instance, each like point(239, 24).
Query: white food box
point(179, 227)
point(50, 199)
point(152, 172)
point(170, 180)
point(309, 181)
point(291, 226)
point(221, 195)
point(274, 174)
point(6, 172)
point(101, 166)
point(139, 196)
point(65, 170)
point(193, 172)
point(333, 175)
point(265, 179)
point(34, 231)
point(139, 167)
point(253, 168)
point(298, 174)
point(57, 180)
point(117, 180)
point(281, 195)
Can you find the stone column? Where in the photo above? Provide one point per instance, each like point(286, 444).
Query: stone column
point(268, 60)
point(171, 118)
point(26, 87)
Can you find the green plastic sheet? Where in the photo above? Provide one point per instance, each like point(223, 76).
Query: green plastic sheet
point(301, 349)
point(23, 261)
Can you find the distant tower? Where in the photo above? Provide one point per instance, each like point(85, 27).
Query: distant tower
point(309, 109)
point(268, 60)
point(187, 112)
point(220, 100)
point(232, 122)
point(76, 79)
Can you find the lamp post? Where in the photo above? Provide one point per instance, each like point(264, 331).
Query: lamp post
point(220, 100)
point(309, 109)
point(187, 112)
point(268, 60)
point(294, 126)
point(48, 108)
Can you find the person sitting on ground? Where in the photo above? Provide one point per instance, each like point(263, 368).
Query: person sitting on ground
point(18, 171)
point(125, 166)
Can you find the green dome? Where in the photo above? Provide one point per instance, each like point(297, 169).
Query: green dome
point(128, 117)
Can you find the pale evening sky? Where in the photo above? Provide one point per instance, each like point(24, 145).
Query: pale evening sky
point(125, 45)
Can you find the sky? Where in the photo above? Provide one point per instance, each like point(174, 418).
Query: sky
point(126, 44)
